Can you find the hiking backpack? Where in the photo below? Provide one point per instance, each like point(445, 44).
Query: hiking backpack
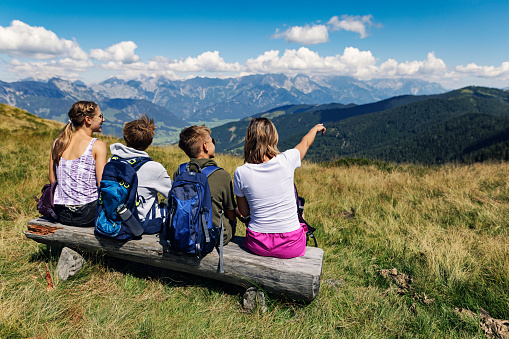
point(189, 227)
point(300, 213)
point(117, 216)
point(45, 203)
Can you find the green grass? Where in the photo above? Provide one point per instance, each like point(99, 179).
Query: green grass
point(447, 226)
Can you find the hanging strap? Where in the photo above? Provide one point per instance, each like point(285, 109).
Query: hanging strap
point(221, 236)
point(204, 226)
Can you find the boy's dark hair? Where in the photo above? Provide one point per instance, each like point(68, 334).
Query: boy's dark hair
point(138, 134)
point(192, 138)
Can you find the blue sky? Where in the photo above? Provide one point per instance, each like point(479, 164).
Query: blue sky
point(455, 43)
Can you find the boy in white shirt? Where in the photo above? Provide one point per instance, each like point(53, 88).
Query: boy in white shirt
point(152, 176)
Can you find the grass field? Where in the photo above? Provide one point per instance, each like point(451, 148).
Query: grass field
point(446, 226)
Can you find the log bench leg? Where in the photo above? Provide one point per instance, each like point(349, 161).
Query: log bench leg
point(254, 299)
point(69, 263)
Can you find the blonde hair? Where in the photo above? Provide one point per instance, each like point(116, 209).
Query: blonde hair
point(79, 110)
point(139, 133)
point(192, 138)
point(261, 141)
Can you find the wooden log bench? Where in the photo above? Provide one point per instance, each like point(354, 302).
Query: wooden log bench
point(297, 278)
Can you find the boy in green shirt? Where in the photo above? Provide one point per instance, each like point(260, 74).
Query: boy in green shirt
point(197, 143)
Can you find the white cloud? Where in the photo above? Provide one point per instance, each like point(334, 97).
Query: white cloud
point(65, 68)
point(432, 65)
point(69, 61)
point(306, 35)
point(317, 33)
point(205, 62)
point(122, 52)
point(209, 62)
point(352, 23)
point(353, 62)
point(22, 40)
point(485, 71)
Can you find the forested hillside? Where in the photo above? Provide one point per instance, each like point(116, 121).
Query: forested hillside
point(465, 125)
point(471, 124)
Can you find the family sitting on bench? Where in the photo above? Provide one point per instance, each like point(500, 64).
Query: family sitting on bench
point(263, 185)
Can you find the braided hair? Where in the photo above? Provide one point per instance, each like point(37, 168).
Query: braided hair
point(79, 110)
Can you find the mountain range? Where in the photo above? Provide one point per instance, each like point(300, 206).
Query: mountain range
point(465, 125)
point(176, 103)
point(209, 99)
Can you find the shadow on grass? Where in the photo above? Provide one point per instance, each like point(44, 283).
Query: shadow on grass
point(46, 253)
point(170, 278)
point(165, 276)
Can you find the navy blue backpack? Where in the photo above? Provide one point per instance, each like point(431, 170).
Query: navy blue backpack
point(117, 216)
point(189, 227)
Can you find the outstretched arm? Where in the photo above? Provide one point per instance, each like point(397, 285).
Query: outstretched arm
point(308, 139)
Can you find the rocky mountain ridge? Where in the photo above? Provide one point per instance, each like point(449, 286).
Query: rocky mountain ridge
point(210, 99)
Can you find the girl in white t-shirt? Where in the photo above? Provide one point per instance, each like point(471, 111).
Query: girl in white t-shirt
point(265, 191)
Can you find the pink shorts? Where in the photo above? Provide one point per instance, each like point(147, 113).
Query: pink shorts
point(279, 245)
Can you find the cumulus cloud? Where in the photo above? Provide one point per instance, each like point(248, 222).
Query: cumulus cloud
point(306, 35)
point(22, 40)
point(353, 62)
point(317, 33)
point(66, 68)
point(122, 52)
point(351, 23)
point(210, 62)
point(484, 71)
point(432, 65)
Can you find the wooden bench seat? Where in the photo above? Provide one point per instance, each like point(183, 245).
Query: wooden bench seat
point(297, 278)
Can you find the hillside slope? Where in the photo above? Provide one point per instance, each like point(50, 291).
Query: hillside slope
point(463, 125)
point(294, 119)
point(457, 126)
point(14, 119)
point(441, 231)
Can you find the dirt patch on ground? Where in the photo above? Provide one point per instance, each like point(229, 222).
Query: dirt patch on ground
point(348, 215)
point(493, 328)
point(403, 280)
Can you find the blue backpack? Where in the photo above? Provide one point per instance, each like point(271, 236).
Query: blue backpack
point(189, 227)
point(117, 216)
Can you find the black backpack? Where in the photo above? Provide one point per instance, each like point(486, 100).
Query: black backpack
point(300, 211)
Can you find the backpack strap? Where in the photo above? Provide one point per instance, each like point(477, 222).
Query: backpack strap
point(137, 162)
point(209, 170)
point(182, 168)
point(186, 167)
point(221, 236)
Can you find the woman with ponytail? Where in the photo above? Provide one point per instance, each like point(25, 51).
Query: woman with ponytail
point(77, 162)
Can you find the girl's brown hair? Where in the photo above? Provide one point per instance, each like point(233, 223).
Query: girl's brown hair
point(79, 110)
point(261, 140)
